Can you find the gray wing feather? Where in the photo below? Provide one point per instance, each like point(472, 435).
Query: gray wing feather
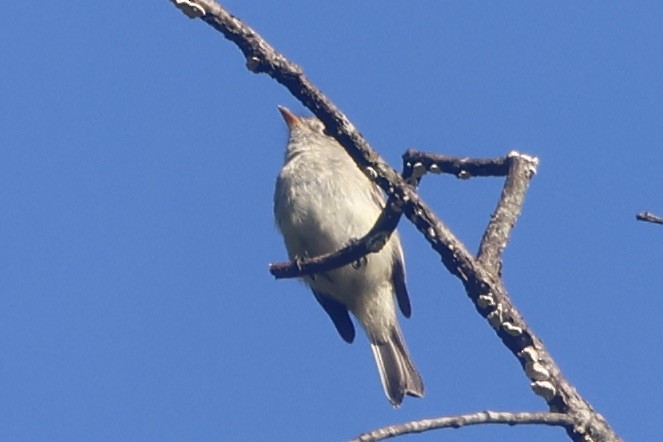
point(398, 278)
point(339, 316)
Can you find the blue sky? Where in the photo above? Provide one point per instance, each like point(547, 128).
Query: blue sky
point(138, 159)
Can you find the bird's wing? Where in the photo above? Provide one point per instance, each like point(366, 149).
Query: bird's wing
point(338, 314)
point(398, 278)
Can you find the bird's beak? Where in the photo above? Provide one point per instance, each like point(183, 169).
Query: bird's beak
point(291, 119)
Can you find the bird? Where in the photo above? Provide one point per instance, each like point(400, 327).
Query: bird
point(322, 201)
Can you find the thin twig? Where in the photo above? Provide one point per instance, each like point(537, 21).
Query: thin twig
point(461, 167)
point(495, 238)
point(649, 217)
point(462, 420)
point(372, 242)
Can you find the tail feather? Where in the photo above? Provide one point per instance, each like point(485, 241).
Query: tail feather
point(397, 372)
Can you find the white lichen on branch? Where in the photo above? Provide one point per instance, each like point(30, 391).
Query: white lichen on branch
point(190, 8)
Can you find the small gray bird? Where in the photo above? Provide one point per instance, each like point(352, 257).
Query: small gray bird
point(322, 201)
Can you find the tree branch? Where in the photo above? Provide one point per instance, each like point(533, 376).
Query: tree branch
point(460, 167)
point(649, 217)
point(483, 286)
point(521, 170)
point(462, 420)
point(372, 242)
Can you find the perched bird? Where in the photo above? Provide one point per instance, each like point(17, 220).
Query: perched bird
point(322, 201)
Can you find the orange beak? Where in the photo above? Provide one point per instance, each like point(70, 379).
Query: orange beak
point(290, 119)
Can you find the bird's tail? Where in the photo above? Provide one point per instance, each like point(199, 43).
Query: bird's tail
point(397, 372)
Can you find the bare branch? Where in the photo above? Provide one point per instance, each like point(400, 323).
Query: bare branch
point(261, 57)
point(462, 420)
point(372, 242)
point(649, 217)
point(521, 169)
point(461, 167)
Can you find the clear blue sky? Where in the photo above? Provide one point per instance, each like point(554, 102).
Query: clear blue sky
point(138, 159)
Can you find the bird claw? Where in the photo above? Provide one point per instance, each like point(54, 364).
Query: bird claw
point(361, 261)
point(298, 263)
